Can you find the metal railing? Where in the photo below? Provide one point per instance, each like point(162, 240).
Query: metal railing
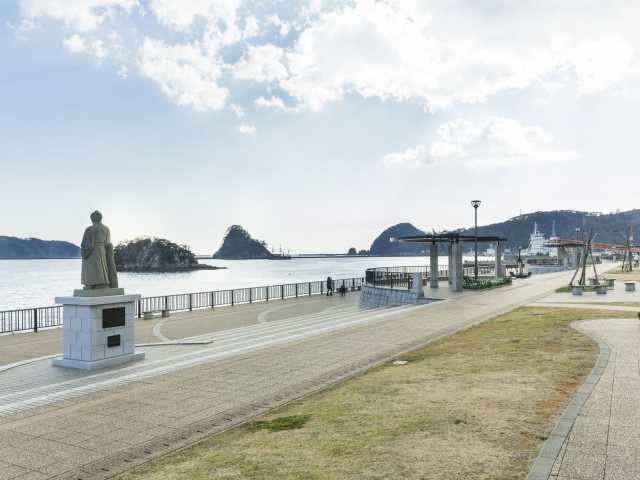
point(32, 319)
point(402, 276)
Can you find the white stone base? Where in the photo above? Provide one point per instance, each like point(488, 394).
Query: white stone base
point(97, 364)
point(98, 332)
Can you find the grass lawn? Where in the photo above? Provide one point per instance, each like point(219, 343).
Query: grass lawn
point(477, 405)
point(618, 274)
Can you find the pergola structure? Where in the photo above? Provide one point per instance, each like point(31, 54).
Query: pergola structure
point(455, 243)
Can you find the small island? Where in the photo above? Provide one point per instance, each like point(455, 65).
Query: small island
point(156, 255)
point(239, 245)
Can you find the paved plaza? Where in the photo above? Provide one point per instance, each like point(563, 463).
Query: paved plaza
point(228, 366)
point(598, 436)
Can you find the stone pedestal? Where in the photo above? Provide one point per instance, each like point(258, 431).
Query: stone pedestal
point(98, 331)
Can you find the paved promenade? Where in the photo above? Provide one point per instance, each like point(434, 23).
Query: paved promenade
point(57, 423)
point(598, 437)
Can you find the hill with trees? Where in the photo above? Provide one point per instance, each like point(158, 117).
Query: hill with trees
point(238, 244)
point(30, 248)
point(383, 245)
point(155, 255)
point(607, 227)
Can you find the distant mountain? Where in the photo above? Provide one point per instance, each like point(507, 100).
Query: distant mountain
point(239, 245)
point(383, 245)
point(608, 228)
point(27, 248)
point(155, 255)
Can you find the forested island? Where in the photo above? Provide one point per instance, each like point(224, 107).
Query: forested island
point(15, 248)
point(156, 255)
point(238, 244)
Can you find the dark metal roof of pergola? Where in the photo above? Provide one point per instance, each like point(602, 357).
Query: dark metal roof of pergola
point(450, 237)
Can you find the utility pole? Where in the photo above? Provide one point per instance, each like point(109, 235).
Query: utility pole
point(475, 204)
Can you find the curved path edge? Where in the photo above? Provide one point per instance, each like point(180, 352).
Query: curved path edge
point(543, 464)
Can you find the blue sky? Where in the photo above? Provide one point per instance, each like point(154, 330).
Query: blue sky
point(314, 124)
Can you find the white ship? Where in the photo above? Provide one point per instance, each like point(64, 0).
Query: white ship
point(537, 243)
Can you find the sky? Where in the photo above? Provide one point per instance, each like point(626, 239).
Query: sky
point(314, 124)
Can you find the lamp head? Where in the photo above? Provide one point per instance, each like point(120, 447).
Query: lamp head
point(476, 203)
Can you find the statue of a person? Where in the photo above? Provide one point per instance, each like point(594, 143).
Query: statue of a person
point(98, 264)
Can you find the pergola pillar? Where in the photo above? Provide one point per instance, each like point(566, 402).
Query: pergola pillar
point(457, 282)
point(434, 273)
point(499, 267)
point(450, 264)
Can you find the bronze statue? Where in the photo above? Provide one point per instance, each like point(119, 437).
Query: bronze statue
point(98, 264)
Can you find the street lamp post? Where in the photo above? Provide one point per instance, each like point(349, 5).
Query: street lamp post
point(475, 204)
point(577, 251)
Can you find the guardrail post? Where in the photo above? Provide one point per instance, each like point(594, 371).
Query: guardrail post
point(267, 289)
point(35, 320)
point(139, 308)
point(232, 297)
point(250, 295)
point(296, 290)
point(281, 292)
point(191, 302)
point(166, 303)
point(213, 299)
point(309, 288)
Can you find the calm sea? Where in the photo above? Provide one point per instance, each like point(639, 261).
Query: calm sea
point(34, 283)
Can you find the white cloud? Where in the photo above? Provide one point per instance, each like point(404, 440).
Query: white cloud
point(496, 142)
point(283, 27)
point(246, 129)
point(181, 15)
point(438, 53)
point(442, 54)
point(25, 25)
point(184, 73)
point(411, 157)
point(237, 110)
point(251, 28)
point(83, 15)
point(274, 102)
point(123, 71)
point(261, 64)
point(77, 44)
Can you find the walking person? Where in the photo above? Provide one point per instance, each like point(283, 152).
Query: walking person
point(329, 286)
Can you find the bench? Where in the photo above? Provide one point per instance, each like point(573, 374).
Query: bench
point(152, 313)
point(629, 286)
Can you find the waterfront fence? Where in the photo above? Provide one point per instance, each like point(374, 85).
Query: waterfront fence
point(402, 276)
point(32, 319)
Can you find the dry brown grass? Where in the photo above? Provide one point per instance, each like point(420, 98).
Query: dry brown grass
point(618, 274)
point(477, 405)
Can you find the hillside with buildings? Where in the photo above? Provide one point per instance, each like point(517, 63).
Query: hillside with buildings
point(608, 228)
